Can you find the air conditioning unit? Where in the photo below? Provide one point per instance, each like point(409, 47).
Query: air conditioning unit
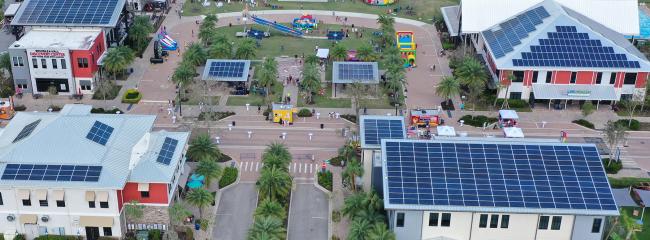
point(11, 217)
point(45, 218)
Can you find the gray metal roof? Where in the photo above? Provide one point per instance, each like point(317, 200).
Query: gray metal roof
point(148, 170)
point(623, 198)
point(451, 14)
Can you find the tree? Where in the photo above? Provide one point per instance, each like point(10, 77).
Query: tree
point(202, 147)
point(133, 210)
point(246, 49)
point(5, 63)
point(200, 198)
point(380, 231)
point(139, 32)
point(268, 208)
point(209, 168)
point(274, 183)
point(220, 50)
point(339, 52)
point(268, 77)
point(183, 76)
point(311, 59)
point(631, 105)
point(358, 92)
point(373, 201)
point(347, 151)
point(270, 226)
point(310, 81)
point(448, 88)
point(614, 135)
point(353, 204)
point(352, 170)
point(359, 229)
point(275, 161)
point(277, 149)
point(365, 53)
point(370, 215)
point(118, 59)
point(588, 108)
point(195, 55)
point(386, 22)
point(178, 213)
point(208, 29)
point(392, 58)
point(471, 73)
point(395, 81)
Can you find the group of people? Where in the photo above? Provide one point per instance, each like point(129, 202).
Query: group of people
point(291, 80)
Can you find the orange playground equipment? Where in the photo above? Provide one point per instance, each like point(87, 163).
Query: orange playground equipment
point(407, 47)
point(7, 109)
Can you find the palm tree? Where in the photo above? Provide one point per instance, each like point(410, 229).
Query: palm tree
point(206, 30)
point(267, 226)
point(270, 64)
point(275, 161)
point(365, 53)
point(220, 50)
point(5, 63)
point(202, 147)
point(359, 229)
point(200, 198)
point(268, 77)
point(347, 151)
point(195, 55)
point(353, 204)
point(209, 168)
point(449, 87)
point(274, 183)
point(277, 149)
point(268, 208)
point(352, 170)
point(211, 18)
point(262, 236)
point(392, 58)
point(370, 215)
point(312, 59)
point(386, 22)
point(373, 201)
point(246, 49)
point(178, 213)
point(183, 76)
point(139, 31)
point(395, 82)
point(339, 52)
point(471, 73)
point(380, 231)
point(117, 59)
point(310, 81)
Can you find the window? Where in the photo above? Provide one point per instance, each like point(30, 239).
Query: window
point(103, 204)
point(433, 219)
point(43, 63)
point(108, 232)
point(400, 220)
point(85, 84)
point(43, 203)
point(494, 221)
point(505, 221)
point(18, 61)
point(595, 227)
point(91, 204)
point(1, 202)
point(519, 76)
point(612, 78)
point(54, 65)
point(549, 77)
point(555, 224)
point(63, 66)
point(60, 203)
point(535, 74)
point(446, 220)
point(630, 78)
point(27, 202)
point(144, 194)
point(515, 95)
point(82, 62)
point(543, 222)
point(574, 75)
point(23, 86)
point(482, 223)
point(34, 63)
point(599, 78)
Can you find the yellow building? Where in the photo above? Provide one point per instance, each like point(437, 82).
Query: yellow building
point(283, 112)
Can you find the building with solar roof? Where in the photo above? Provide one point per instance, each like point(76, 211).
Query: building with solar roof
point(373, 129)
point(556, 50)
point(343, 73)
point(71, 172)
point(482, 189)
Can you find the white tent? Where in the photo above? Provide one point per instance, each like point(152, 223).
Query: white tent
point(12, 9)
point(446, 131)
point(323, 53)
point(513, 132)
point(508, 114)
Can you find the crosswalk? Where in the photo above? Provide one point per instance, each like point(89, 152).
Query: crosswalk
point(295, 167)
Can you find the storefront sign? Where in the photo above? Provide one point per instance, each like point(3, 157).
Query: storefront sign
point(578, 93)
point(47, 54)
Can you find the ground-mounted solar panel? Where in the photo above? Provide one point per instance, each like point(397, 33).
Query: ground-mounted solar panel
point(350, 72)
point(27, 130)
point(58, 173)
point(505, 175)
point(69, 12)
point(376, 128)
point(100, 133)
point(509, 34)
point(167, 151)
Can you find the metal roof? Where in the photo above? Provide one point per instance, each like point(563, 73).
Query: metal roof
point(148, 170)
point(451, 14)
point(623, 198)
point(48, 38)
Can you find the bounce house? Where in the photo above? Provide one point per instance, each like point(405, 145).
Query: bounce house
point(407, 47)
point(305, 22)
point(167, 43)
point(380, 2)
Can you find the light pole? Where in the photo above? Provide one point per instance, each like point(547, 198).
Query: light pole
point(396, 106)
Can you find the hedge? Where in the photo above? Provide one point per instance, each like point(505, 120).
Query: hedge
point(155, 234)
point(106, 111)
point(214, 116)
point(634, 126)
point(350, 117)
point(131, 96)
point(627, 182)
point(584, 123)
point(477, 121)
point(20, 108)
point(513, 103)
point(304, 113)
point(613, 167)
point(55, 237)
point(325, 179)
point(229, 176)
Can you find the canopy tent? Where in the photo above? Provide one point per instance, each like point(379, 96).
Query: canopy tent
point(323, 53)
point(623, 198)
point(513, 132)
point(446, 131)
point(508, 114)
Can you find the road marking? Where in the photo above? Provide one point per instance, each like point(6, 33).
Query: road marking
point(246, 167)
point(300, 168)
point(241, 164)
point(257, 166)
point(319, 217)
point(311, 168)
point(294, 167)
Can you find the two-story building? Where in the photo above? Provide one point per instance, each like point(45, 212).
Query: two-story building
point(73, 172)
point(372, 129)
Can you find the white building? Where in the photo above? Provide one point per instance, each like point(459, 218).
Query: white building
point(373, 129)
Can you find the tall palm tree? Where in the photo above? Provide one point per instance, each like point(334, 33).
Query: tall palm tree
point(310, 81)
point(268, 208)
point(359, 229)
point(269, 77)
point(380, 231)
point(395, 82)
point(448, 88)
point(339, 52)
point(347, 151)
point(311, 59)
point(178, 213)
point(352, 170)
point(202, 147)
point(386, 22)
point(365, 53)
point(5, 63)
point(370, 215)
point(275, 161)
point(353, 204)
point(220, 50)
point(209, 168)
point(392, 58)
point(373, 201)
point(471, 73)
point(211, 18)
point(200, 198)
point(195, 55)
point(183, 76)
point(270, 64)
point(206, 30)
point(277, 149)
point(246, 49)
point(139, 32)
point(117, 59)
point(267, 225)
point(274, 183)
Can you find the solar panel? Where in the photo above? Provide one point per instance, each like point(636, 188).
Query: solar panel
point(100, 133)
point(510, 33)
point(27, 130)
point(68, 12)
point(167, 151)
point(227, 69)
point(496, 175)
point(59, 173)
point(377, 129)
point(356, 72)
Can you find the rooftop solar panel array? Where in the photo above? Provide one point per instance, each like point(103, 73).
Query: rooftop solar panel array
point(227, 70)
point(100, 133)
point(167, 151)
point(374, 130)
point(503, 40)
point(27, 130)
point(68, 12)
point(59, 173)
point(563, 177)
point(566, 47)
point(350, 72)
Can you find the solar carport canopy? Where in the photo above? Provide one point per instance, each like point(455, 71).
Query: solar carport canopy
point(517, 177)
point(351, 72)
point(223, 70)
point(73, 13)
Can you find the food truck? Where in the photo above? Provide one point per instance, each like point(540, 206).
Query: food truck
point(508, 118)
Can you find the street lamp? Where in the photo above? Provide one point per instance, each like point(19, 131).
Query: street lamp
point(396, 106)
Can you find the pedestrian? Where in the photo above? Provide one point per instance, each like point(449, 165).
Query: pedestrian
point(346, 19)
point(174, 119)
point(462, 106)
point(169, 111)
point(259, 109)
point(192, 32)
point(229, 24)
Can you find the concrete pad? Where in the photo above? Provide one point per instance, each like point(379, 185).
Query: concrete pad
point(308, 214)
point(235, 212)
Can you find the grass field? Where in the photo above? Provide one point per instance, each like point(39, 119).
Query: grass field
point(326, 101)
point(645, 232)
point(255, 99)
point(425, 10)
point(381, 103)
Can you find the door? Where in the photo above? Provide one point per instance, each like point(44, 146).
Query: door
point(31, 231)
point(43, 84)
point(92, 233)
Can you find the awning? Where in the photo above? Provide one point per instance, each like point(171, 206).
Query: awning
point(451, 15)
point(574, 92)
point(92, 221)
point(446, 131)
point(644, 195)
point(323, 53)
point(143, 187)
point(623, 198)
point(28, 218)
point(508, 114)
point(12, 9)
point(102, 196)
point(23, 194)
point(90, 196)
point(100, 60)
point(40, 194)
point(58, 195)
point(513, 132)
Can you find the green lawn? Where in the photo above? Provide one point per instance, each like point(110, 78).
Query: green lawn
point(196, 100)
point(255, 99)
point(381, 103)
point(424, 9)
point(645, 232)
point(326, 101)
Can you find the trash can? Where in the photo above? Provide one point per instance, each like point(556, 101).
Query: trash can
point(233, 123)
point(322, 125)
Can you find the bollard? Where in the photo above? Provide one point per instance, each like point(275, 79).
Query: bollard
point(233, 123)
point(284, 135)
point(248, 106)
point(462, 122)
point(217, 139)
point(229, 127)
point(250, 133)
point(322, 125)
point(310, 135)
point(317, 115)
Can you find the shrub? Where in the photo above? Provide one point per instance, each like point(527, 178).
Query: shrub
point(325, 179)
point(336, 161)
point(627, 182)
point(334, 237)
point(112, 91)
point(612, 167)
point(584, 123)
point(55, 108)
point(350, 117)
point(103, 111)
point(512, 103)
point(131, 96)
point(634, 126)
point(448, 46)
point(229, 176)
point(477, 121)
point(155, 234)
point(304, 113)
point(336, 216)
point(20, 108)
point(214, 116)
point(223, 158)
point(20, 237)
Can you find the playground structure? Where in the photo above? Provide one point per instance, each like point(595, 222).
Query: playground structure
point(352, 56)
point(335, 35)
point(7, 109)
point(407, 47)
point(167, 43)
point(277, 26)
point(305, 22)
point(380, 2)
